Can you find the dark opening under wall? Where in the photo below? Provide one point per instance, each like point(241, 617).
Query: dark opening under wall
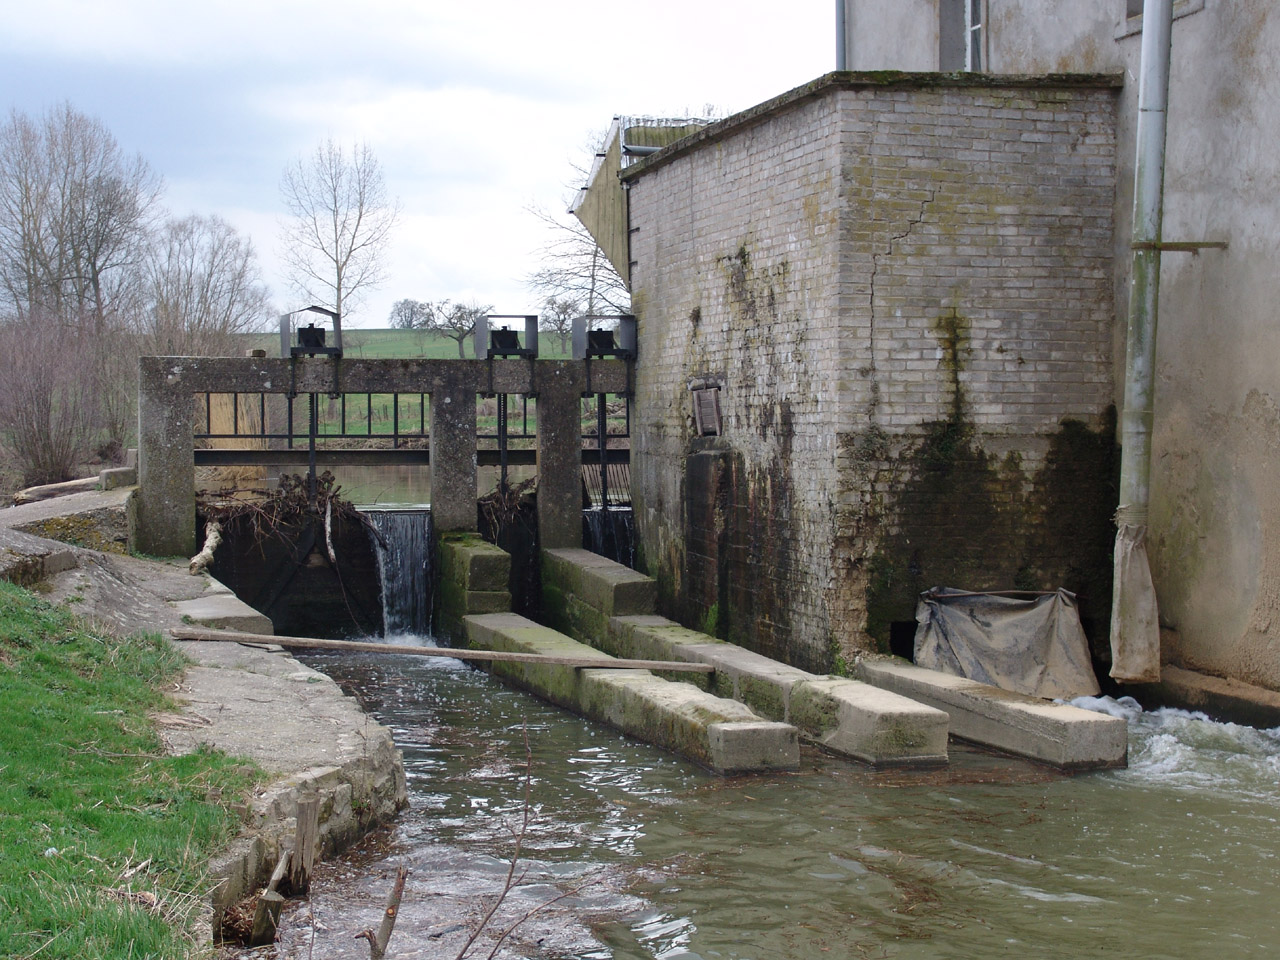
point(287, 575)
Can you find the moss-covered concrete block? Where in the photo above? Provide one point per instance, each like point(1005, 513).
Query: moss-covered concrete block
point(721, 734)
point(611, 588)
point(858, 720)
point(474, 563)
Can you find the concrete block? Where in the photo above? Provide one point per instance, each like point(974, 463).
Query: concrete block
point(474, 563)
point(1054, 733)
point(722, 735)
point(613, 589)
point(873, 725)
point(218, 607)
point(487, 601)
point(847, 717)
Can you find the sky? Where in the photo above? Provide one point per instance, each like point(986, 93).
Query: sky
point(476, 111)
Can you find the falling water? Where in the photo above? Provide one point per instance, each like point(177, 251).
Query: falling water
point(404, 566)
point(610, 532)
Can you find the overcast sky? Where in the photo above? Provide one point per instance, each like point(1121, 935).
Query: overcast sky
point(476, 110)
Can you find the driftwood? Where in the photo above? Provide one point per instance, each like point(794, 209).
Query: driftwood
point(592, 663)
point(378, 941)
point(212, 537)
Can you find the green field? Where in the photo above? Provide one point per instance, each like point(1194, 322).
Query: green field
point(371, 344)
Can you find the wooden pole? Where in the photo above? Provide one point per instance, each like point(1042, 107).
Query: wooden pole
point(306, 830)
point(595, 663)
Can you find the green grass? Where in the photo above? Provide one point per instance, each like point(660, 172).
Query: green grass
point(103, 838)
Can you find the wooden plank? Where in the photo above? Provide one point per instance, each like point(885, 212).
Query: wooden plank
point(356, 646)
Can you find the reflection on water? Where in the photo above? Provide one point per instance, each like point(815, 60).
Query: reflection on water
point(391, 486)
point(1178, 856)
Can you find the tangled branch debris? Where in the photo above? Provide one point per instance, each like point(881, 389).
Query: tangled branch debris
point(502, 508)
point(269, 513)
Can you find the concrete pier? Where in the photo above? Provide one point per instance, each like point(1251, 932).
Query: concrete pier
point(1054, 733)
point(610, 607)
point(723, 735)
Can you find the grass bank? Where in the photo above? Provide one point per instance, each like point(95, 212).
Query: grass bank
point(103, 838)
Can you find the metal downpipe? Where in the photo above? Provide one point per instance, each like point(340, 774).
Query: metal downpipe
point(1135, 626)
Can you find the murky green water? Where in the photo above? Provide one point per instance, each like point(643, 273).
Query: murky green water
point(1177, 857)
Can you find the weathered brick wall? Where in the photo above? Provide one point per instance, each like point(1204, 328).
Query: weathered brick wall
point(905, 290)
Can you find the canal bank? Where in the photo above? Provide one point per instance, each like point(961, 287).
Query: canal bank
point(253, 702)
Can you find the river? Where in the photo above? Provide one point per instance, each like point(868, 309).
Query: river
point(652, 857)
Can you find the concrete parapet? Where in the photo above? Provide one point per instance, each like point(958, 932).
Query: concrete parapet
point(845, 716)
point(1055, 733)
point(96, 520)
point(26, 560)
point(723, 735)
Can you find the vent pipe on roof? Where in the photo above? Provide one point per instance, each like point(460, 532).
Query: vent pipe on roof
point(1135, 624)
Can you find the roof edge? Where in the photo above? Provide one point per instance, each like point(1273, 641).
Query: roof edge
point(858, 80)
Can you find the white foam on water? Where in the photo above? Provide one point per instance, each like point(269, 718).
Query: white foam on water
point(1188, 749)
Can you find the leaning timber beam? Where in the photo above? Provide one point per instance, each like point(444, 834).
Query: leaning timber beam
point(602, 662)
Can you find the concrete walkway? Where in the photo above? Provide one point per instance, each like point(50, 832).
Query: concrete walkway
point(253, 702)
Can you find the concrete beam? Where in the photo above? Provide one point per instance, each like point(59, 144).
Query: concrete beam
point(1054, 733)
point(847, 717)
point(315, 375)
point(722, 735)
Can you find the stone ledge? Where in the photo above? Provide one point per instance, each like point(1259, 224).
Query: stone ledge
point(723, 735)
point(221, 609)
point(1054, 733)
point(1230, 700)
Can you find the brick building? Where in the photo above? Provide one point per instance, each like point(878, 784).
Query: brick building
point(900, 290)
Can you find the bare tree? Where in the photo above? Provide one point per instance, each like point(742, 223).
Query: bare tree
point(46, 413)
point(410, 315)
point(558, 314)
point(75, 215)
point(203, 287)
point(576, 269)
point(457, 321)
point(340, 219)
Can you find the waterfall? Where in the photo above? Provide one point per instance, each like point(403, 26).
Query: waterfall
point(610, 532)
point(404, 566)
